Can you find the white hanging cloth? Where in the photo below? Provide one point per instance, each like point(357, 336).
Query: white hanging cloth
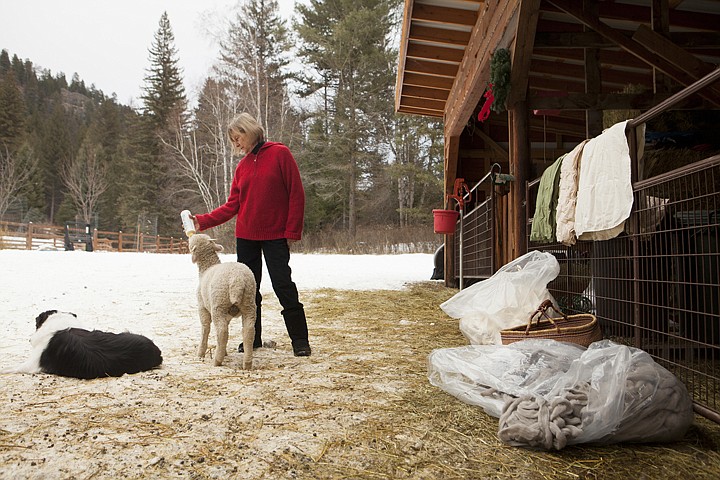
point(567, 196)
point(605, 195)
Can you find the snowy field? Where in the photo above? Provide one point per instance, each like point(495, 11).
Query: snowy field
point(189, 418)
point(145, 293)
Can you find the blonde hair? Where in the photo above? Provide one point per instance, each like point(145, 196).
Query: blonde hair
point(245, 124)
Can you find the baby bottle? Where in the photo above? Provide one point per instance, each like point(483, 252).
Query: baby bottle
point(188, 224)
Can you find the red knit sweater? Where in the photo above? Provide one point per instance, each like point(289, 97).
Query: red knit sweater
point(267, 196)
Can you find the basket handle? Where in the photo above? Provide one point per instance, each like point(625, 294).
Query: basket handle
point(542, 312)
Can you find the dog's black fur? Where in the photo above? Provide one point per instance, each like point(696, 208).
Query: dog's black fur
point(60, 347)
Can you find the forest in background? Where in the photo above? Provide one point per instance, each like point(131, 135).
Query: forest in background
point(70, 153)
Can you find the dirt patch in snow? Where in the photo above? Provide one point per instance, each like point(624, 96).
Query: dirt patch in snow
point(359, 407)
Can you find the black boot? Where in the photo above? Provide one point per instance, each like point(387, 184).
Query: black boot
point(257, 343)
point(296, 325)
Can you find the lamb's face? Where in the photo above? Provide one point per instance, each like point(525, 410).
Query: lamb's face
point(200, 243)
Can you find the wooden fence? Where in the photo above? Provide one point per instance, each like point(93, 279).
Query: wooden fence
point(30, 236)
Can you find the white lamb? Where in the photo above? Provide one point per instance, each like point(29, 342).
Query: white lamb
point(225, 291)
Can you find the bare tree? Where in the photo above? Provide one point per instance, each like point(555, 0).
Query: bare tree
point(86, 179)
point(202, 153)
point(16, 169)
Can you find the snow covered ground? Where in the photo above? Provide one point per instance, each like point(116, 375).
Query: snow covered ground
point(144, 292)
point(189, 418)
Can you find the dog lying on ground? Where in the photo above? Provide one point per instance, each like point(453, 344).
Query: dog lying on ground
point(60, 346)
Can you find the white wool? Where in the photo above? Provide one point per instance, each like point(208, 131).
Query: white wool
point(225, 291)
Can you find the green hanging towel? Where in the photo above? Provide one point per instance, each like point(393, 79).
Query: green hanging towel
point(543, 225)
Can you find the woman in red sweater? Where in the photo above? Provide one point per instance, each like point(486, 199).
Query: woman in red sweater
point(268, 200)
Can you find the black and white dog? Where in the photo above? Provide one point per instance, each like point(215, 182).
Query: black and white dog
point(60, 346)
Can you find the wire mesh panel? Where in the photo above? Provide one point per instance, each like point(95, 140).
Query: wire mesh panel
point(678, 270)
point(657, 285)
point(478, 240)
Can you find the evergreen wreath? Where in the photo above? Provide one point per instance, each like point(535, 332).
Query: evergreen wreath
point(500, 78)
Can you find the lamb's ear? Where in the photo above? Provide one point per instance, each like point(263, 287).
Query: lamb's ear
point(218, 247)
point(193, 254)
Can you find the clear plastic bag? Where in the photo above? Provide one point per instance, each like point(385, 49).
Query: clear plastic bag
point(505, 300)
point(485, 375)
point(550, 394)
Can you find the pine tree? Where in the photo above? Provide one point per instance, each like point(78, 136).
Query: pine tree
point(254, 61)
point(164, 94)
point(129, 174)
point(105, 130)
point(346, 44)
point(56, 149)
point(164, 115)
point(12, 113)
point(4, 62)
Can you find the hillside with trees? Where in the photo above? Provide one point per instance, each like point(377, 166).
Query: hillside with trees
point(70, 153)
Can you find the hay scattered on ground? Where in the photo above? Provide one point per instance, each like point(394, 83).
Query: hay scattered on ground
point(360, 407)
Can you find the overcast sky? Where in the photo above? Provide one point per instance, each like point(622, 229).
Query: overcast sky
point(106, 41)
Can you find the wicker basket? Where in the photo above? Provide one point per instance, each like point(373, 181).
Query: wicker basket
point(582, 329)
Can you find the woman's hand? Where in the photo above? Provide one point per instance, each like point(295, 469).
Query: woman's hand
point(195, 222)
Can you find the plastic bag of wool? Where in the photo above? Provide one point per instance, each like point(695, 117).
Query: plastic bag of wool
point(505, 300)
point(549, 394)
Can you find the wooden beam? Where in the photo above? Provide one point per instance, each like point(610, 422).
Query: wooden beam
point(612, 10)
point(661, 25)
point(492, 154)
point(432, 68)
point(571, 128)
point(431, 81)
point(499, 151)
point(695, 39)
point(444, 15)
point(560, 69)
point(474, 72)
point(422, 92)
point(416, 50)
point(423, 103)
point(420, 111)
point(571, 8)
point(571, 40)
point(439, 35)
point(605, 101)
point(400, 79)
point(655, 42)
point(678, 18)
point(452, 148)
point(610, 58)
point(593, 82)
point(541, 82)
point(522, 50)
point(520, 165)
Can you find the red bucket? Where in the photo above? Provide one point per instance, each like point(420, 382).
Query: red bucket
point(445, 221)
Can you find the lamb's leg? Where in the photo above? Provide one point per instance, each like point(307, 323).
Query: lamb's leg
point(204, 330)
point(248, 330)
point(222, 321)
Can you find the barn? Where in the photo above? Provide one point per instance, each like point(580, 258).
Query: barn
point(519, 84)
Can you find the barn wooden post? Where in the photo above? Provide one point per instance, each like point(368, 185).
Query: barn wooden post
point(519, 167)
point(452, 148)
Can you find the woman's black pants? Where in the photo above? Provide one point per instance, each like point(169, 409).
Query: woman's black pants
point(277, 260)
